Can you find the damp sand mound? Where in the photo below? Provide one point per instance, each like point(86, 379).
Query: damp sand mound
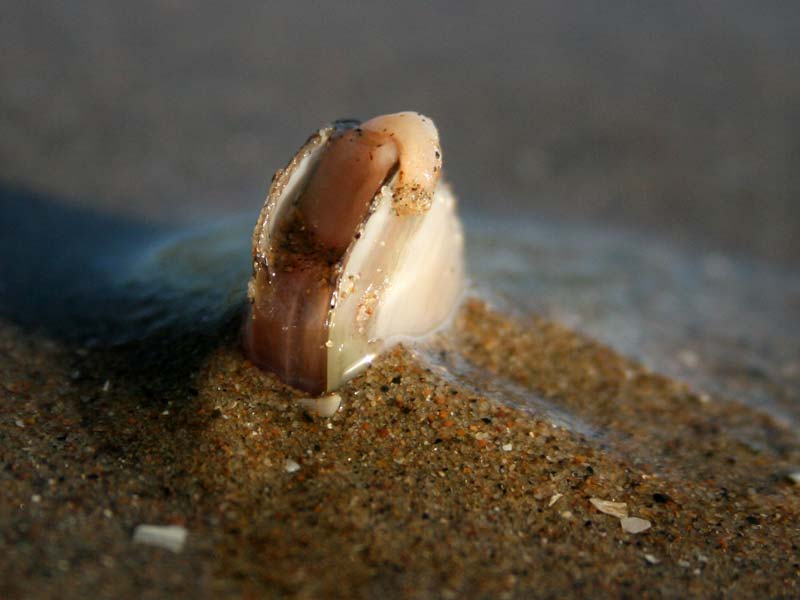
point(482, 465)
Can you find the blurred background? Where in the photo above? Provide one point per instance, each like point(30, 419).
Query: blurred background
point(676, 118)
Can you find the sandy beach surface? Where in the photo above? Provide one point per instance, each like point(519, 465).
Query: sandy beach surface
point(422, 485)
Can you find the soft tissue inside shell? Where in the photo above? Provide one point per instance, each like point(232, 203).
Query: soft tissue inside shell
point(349, 173)
point(420, 155)
point(287, 330)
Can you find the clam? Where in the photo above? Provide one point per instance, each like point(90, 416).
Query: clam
point(358, 247)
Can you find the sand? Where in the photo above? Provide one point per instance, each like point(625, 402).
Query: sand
point(426, 483)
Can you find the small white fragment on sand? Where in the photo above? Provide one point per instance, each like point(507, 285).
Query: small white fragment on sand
point(555, 498)
point(685, 564)
point(508, 447)
point(634, 524)
point(794, 477)
point(615, 509)
point(651, 559)
point(290, 466)
point(169, 537)
point(323, 407)
point(107, 385)
point(689, 358)
point(19, 423)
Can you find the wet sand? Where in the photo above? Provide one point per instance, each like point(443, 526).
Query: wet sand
point(425, 483)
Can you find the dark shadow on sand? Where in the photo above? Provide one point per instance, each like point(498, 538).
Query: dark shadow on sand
point(138, 308)
point(50, 257)
point(112, 285)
